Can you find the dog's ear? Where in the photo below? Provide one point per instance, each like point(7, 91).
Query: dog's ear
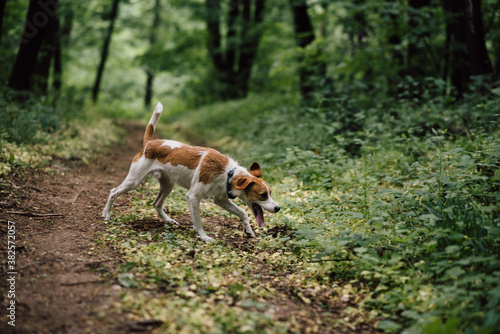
point(255, 170)
point(243, 182)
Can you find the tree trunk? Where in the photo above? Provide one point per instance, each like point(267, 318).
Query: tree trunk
point(105, 50)
point(233, 60)
point(39, 20)
point(50, 54)
point(2, 8)
point(468, 55)
point(57, 72)
point(304, 32)
point(152, 41)
point(312, 69)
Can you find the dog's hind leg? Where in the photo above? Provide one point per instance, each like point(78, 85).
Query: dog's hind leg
point(166, 187)
point(134, 178)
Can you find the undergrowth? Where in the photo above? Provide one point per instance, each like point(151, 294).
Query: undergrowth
point(35, 134)
point(400, 200)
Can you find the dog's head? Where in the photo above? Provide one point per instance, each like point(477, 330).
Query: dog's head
point(255, 193)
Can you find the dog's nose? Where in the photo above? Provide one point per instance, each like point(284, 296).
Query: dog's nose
point(276, 209)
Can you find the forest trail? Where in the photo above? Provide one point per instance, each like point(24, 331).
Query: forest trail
point(65, 283)
point(61, 284)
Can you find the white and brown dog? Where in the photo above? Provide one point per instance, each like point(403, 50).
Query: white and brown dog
point(204, 172)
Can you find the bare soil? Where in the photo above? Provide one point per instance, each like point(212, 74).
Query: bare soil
point(64, 282)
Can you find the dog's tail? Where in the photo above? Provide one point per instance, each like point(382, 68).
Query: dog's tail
point(150, 129)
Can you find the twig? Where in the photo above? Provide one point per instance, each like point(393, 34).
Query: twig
point(34, 214)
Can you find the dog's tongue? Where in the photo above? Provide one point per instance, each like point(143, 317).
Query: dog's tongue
point(259, 214)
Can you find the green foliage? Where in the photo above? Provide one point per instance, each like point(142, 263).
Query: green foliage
point(400, 199)
point(33, 135)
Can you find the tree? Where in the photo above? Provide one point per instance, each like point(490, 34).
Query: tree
point(41, 22)
point(152, 40)
point(233, 54)
point(465, 36)
point(2, 8)
point(105, 49)
point(312, 67)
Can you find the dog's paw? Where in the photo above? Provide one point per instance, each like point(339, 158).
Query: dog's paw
point(171, 221)
point(250, 234)
point(207, 239)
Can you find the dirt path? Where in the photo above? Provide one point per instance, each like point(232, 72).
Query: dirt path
point(61, 285)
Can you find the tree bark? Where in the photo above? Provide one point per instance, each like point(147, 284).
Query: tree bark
point(312, 69)
point(468, 55)
point(233, 60)
point(105, 50)
point(150, 75)
point(39, 21)
point(50, 57)
point(304, 32)
point(2, 9)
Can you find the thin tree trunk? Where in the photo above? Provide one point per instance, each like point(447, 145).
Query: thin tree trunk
point(2, 9)
point(105, 50)
point(57, 72)
point(39, 18)
point(152, 41)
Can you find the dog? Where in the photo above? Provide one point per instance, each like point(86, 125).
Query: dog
point(204, 172)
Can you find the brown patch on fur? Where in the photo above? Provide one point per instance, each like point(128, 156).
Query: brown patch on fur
point(255, 170)
point(187, 156)
point(254, 187)
point(138, 155)
point(148, 135)
point(257, 191)
point(213, 165)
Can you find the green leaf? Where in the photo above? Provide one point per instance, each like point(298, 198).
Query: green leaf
point(389, 326)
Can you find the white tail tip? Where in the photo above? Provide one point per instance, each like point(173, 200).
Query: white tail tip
point(158, 108)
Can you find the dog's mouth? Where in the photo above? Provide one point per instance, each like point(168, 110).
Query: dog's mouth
point(258, 213)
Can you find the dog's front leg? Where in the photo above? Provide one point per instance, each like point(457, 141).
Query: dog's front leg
point(194, 206)
point(230, 207)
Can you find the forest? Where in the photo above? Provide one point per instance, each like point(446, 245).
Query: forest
point(375, 122)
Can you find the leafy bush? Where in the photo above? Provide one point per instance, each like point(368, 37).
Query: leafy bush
point(399, 198)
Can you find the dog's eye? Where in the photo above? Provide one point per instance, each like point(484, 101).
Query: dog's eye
point(263, 195)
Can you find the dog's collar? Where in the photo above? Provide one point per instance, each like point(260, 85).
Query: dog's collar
point(230, 175)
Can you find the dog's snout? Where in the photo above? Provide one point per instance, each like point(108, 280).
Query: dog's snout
point(276, 208)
